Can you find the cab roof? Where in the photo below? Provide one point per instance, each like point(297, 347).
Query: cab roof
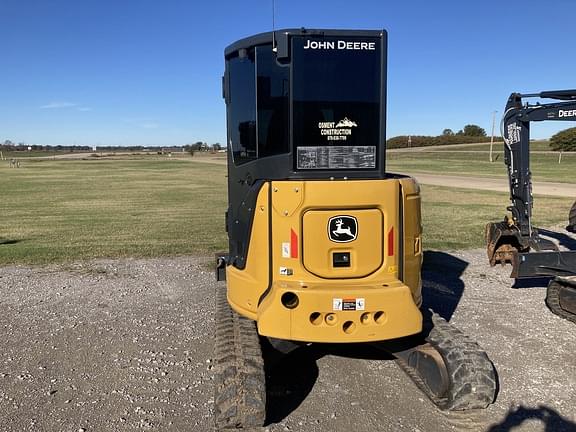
point(284, 34)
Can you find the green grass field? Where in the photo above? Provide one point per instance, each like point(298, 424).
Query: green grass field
point(75, 209)
point(66, 210)
point(455, 218)
point(544, 167)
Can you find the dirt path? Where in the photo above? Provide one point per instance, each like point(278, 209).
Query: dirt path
point(126, 345)
point(498, 184)
point(442, 147)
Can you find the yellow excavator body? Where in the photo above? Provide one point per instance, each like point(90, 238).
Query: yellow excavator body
point(365, 286)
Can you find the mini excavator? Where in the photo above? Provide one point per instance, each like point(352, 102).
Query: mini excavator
point(515, 240)
point(324, 244)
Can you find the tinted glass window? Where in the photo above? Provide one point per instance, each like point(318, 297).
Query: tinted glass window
point(273, 103)
point(336, 101)
point(242, 108)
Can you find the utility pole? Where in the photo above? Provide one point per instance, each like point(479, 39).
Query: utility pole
point(492, 138)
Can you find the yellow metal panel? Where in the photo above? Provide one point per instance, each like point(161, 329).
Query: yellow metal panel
point(287, 197)
point(246, 286)
point(412, 237)
point(365, 251)
point(389, 312)
point(291, 240)
point(381, 195)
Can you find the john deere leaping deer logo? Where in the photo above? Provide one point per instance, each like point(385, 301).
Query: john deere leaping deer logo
point(342, 229)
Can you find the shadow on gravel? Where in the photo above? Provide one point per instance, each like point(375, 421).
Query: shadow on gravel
point(289, 380)
point(291, 377)
point(442, 286)
point(551, 419)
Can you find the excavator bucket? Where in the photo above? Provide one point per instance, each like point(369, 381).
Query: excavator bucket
point(501, 243)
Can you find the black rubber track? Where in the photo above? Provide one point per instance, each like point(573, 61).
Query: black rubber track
point(473, 382)
point(553, 301)
point(240, 384)
point(572, 219)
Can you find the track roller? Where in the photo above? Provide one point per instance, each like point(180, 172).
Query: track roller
point(451, 369)
point(240, 384)
point(561, 297)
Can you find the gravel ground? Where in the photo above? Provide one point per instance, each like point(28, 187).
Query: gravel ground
point(121, 345)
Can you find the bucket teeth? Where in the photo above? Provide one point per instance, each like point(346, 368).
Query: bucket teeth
point(501, 243)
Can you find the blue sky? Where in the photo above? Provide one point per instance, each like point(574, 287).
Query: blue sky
point(147, 72)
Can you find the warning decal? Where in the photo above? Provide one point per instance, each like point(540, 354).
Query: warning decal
point(349, 304)
point(336, 157)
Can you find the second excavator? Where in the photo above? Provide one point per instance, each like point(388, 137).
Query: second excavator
point(515, 240)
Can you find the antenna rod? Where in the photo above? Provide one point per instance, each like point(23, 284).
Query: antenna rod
point(273, 27)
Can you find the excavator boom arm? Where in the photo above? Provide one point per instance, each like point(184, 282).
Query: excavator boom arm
point(516, 133)
point(515, 240)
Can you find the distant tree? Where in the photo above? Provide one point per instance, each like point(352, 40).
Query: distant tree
point(189, 148)
point(474, 130)
point(216, 147)
point(564, 140)
point(447, 132)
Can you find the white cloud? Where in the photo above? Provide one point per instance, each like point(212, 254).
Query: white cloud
point(143, 122)
point(58, 104)
point(84, 109)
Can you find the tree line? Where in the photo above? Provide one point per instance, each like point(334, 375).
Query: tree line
point(564, 140)
point(10, 146)
point(468, 134)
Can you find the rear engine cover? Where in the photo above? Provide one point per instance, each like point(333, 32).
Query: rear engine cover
point(333, 237)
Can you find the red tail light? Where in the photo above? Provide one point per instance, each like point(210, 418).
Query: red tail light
point(293, 244)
